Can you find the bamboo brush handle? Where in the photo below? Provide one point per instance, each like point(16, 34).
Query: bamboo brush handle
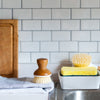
point(42, 70)
point(42, 63)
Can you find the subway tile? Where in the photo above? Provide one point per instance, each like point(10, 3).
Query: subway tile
point(70, 25)
point(24, 58)
point(59, 57)
point(22, 14)
point(50, 25)
point(31, 25)
point(41, 36)
point(36, 56)
point(70, 3)
point(5, 14)
point(50, 3)
point(41, 14)
point(95, 13)
point(87, 47)
point(11, 3)
point(31, 3)
point(29, 46)
point(0, 3)
point(25, 36)
point(95, 58)
point(80, 13)
point(80, 35)
point(26, 70)
point(95, 35)
point(90, 24)
point(60, 35)
point(60, 13)
point(49, 46)
point(69, 46)
point(89, 3)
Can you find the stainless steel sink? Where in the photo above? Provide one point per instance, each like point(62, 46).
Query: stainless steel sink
point(82, 95)
point(76, 94)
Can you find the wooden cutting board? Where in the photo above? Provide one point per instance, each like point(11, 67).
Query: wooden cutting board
point(8, 48)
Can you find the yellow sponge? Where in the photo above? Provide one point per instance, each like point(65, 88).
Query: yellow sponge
point(81, 60)
point(78, 71)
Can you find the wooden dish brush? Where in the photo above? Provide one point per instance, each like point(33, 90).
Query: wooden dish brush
point(42, 74)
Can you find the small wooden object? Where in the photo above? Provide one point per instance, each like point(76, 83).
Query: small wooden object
point(42, 70)
point(9, 48)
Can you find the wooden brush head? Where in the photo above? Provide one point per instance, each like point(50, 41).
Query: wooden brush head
point(42, 70)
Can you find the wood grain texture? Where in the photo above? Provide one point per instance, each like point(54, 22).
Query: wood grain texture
point(9, 48)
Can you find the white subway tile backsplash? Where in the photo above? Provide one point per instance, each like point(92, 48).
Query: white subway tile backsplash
point(50, 25)
point(61, 35)
point(25, 36)
point(60, 13)
point(41, 36)
point(69, 46)
point(90, 24)
point(59, 57)
point(11, 3)
point(70, 25)
point(41, 14)
point(54, 29)
point(80, 35)
point(95, 35)
point(5, 14)
point(29, 46)
point(49, 46)
point(89, 3)
point(70, 3)
point(80, 13)
point(36, 56)
point(95, 13)
point(87, 47)
point(24, 58)
point(31, 25)
point(31, 3)
point(50, 3)
point(22, 14)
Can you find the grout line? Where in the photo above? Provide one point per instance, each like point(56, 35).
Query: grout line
point(80, 4)
point(90, 14)
point(70, 35)
point(51, 13)
point(32, 35)
point(31, 13)
point(12, 14)
point(80, 26)
point(71, 14)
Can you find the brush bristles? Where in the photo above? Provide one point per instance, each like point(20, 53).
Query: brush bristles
point(81, 60)
point(42, 80)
